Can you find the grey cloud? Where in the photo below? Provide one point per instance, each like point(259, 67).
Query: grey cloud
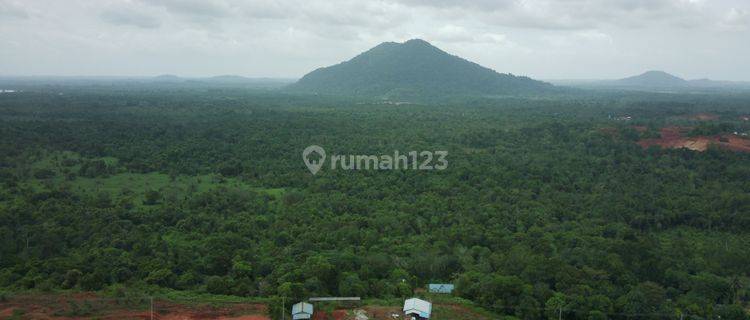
point(542, 38)
point(346, 13)
point(571, 6)
point(571, 14)
point(267, 9)
point(343, 19)
point(131, 18)
point(199, 8)
point(335, 13)
point(491, 5)
point(633, 5)
point(457, 34)
point(12, 10)
point(736, 19)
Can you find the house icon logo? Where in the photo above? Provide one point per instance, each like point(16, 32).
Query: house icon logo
point(314, 156)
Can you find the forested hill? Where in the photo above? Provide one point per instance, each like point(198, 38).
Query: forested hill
point(413, 69)
point(653, 79)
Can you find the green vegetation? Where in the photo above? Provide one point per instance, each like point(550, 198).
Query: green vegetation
point(548, 207)
point(133, 188)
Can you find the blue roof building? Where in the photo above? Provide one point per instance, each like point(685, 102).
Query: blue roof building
point(440, 288)
point(302, 310)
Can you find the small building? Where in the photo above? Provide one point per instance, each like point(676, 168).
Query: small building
point(624, 118)
point(417, 309)
point(440, 288)
point(302, 310)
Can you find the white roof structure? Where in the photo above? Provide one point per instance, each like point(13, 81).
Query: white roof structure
point(417, 306)
point(302, 310)
point(441, 287)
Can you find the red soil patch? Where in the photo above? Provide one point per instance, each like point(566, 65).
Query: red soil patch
point(640, 128)
point(58, 307)
point(335, 315)
point(7, 312)
point(703, 116)
point(671, 133)
point(610, 131)
point(339, 314)
point(464, 313)
point(735, 143)
point(375, 312)
point(239, 311)
point(673, 137)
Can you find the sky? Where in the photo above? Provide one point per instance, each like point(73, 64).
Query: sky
point(543, 39)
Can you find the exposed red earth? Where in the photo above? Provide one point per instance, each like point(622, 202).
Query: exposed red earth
point(63, 307)
point(674, 138)
point(703, 116)
point(335, 315)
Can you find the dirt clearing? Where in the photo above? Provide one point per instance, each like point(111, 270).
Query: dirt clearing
point(89, 306)
point(675, 138)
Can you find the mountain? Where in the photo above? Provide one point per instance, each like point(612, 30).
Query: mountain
point(653, 79)
point(414, 68)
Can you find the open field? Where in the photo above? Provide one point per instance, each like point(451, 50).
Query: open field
point(92, 306)
point(60, 172)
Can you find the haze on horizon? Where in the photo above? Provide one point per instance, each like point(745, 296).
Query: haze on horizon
point(543, 39)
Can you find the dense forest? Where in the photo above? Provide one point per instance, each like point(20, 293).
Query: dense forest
point(548, 207)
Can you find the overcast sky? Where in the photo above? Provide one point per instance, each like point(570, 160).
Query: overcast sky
point(565, 39)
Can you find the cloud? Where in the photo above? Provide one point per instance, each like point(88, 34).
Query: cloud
point(492, 5)
point(569, 14)
point(594, 35)
point(267, 9)
point(459, 34)
point(544, 38)
point(195, 8)
point(736, 19)
point(377, 15)
point(10, 9)
point(130, 18)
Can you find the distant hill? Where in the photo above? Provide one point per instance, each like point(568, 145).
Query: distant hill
point(658, 81)
point(708, 83)
point(414, 68)
point(167, 78)
point(240, 80)
point(653, 79)
point(222, 80)
point(228, 78)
